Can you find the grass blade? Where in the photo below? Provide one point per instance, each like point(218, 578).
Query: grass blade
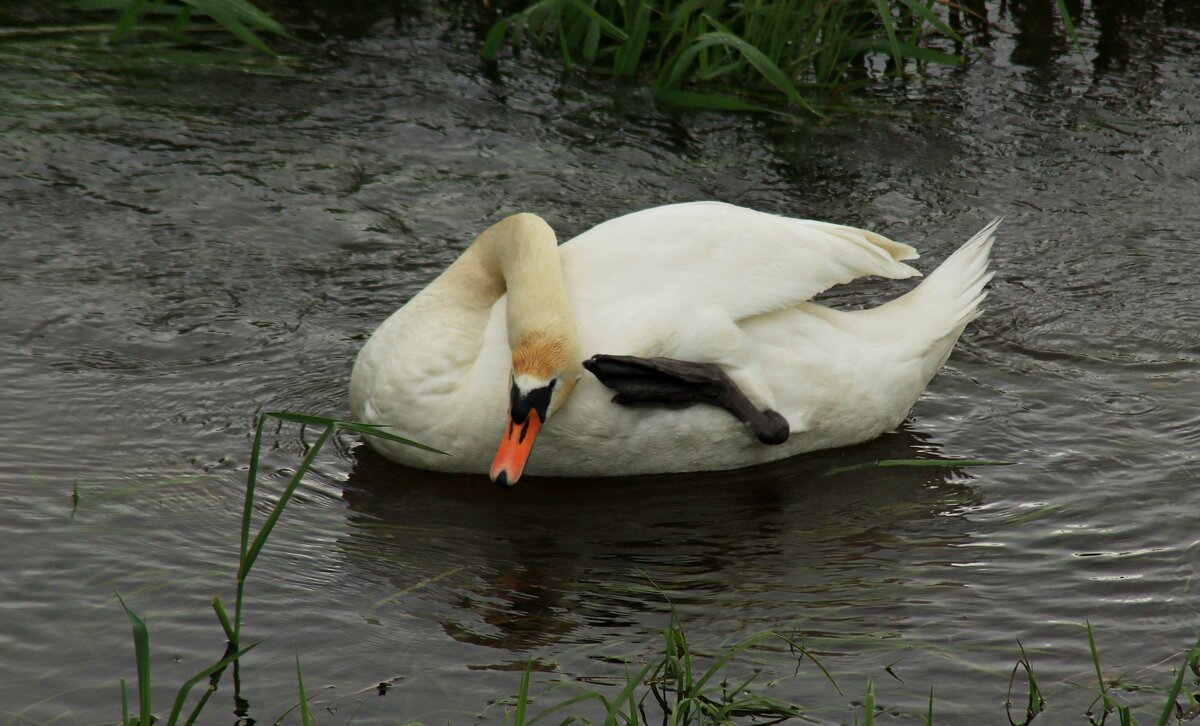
point(1070, 26)
point(141, 649)
point(186, 688)
point(305, 712)
point(729, 655)
point(191, 719)
point(250, 554)
point(250, 550)
point(764, 65)
point(1035, 704)
point(495, 38)
point(804, 652)
point(177, 28)
point(604, 22)
point(626, 62)
point(133, 11)
point(248, 13)
point(591, 42)
point(264, 532)
point(228, 19)
point(589, 696)
point(1178, 686)
point(523, 695)
point(247, 516)
point(932, 19)
point(251, 485)
point(885, 15)
point(223, 617)
point(1108, 703)
point(362, 428)
point(627, 694)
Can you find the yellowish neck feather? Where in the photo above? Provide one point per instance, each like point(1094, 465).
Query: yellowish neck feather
point(519, 254)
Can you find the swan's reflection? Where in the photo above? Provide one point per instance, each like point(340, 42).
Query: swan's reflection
point(526, 567)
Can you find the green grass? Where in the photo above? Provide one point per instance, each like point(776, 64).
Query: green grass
point(249, 552)
point(306, 716)
point(1035, 704)
point(250, 549)
point(743, 56)
point(141, 648)
point(684, 694)
point(676, 686)
point(188, 22)
point(1107, 704)
point(751, 55)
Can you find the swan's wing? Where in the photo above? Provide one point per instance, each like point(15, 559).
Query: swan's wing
point(666, 261)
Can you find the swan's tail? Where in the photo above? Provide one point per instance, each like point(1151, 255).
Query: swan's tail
point(933, 315)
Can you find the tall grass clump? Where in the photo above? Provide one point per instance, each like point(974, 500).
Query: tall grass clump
point(1107, 704)
point(188, 21)
point(748, 55)
point(684, 692)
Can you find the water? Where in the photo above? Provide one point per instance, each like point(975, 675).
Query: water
point(186, 245)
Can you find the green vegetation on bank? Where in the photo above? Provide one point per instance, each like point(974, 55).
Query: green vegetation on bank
point(750, 55)
point(684, 693)
point(731, 55)
point(185, 21)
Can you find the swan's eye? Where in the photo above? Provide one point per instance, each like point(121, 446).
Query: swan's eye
point(553, 382)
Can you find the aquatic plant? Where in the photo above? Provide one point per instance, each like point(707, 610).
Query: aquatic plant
point(683, 694)
point(687, 700)
point(1110, 704)
point(726, 55)
point(755, 55)
point(181, 20)
point(249, 552)
point(141, 647)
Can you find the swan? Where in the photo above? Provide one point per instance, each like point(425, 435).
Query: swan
point(678, 338)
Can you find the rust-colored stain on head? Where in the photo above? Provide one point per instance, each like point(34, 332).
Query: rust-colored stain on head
point(541, 355)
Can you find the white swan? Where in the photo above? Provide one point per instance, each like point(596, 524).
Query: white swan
point(507, 328)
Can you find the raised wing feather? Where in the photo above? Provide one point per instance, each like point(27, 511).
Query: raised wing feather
point(663, 262)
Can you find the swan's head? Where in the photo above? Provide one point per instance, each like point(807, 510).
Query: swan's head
point(545, 370)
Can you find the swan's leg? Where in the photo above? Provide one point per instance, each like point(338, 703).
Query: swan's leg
point(670, 383)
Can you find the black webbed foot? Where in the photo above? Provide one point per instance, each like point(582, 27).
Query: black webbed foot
point(670, 383)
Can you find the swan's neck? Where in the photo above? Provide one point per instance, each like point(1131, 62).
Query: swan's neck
point(518, 255)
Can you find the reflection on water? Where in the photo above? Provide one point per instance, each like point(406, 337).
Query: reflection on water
point(188, 244)
point(529, 566)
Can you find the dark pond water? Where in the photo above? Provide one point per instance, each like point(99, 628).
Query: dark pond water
point(186, 245)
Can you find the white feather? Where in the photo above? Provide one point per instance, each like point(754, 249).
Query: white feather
point(704, 281)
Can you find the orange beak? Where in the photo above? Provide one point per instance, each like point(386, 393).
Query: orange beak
point(515, 448)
